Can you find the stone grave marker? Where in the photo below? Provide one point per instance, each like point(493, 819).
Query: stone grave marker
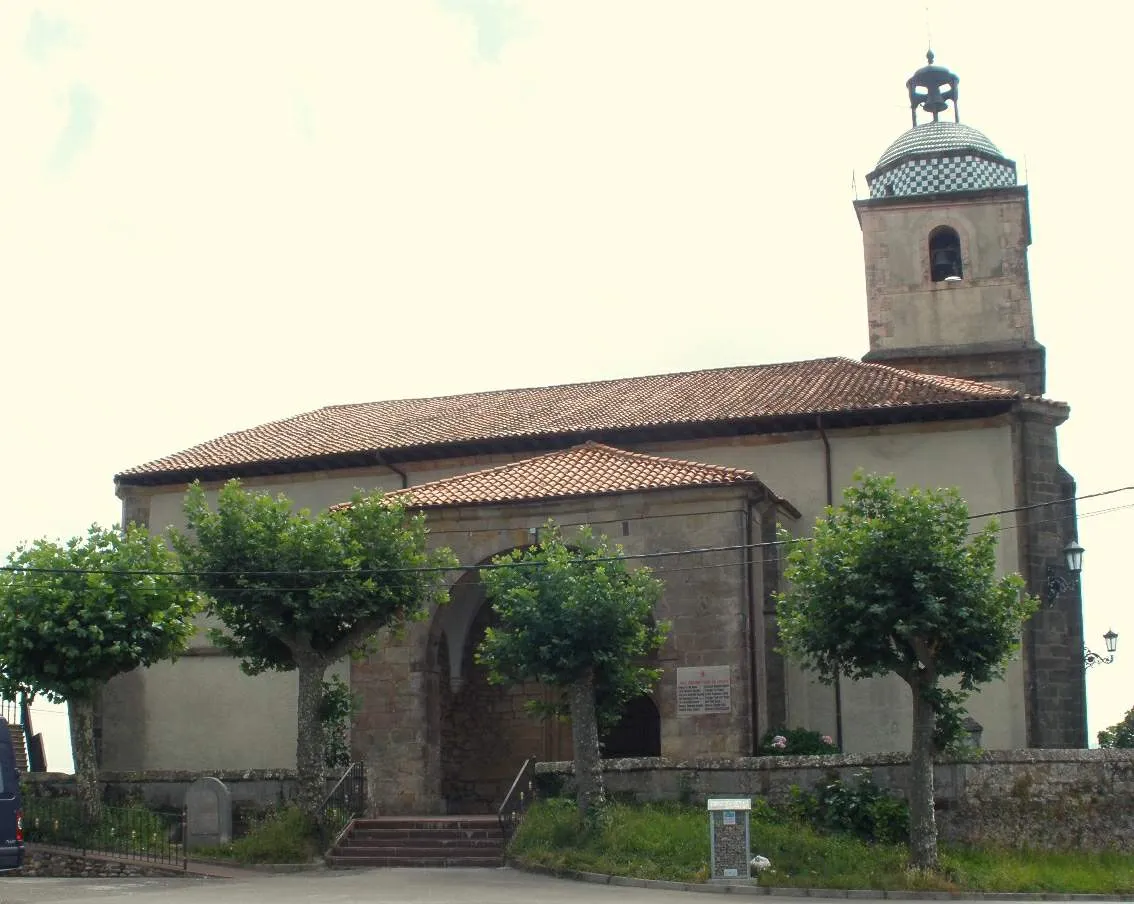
point(208, 813)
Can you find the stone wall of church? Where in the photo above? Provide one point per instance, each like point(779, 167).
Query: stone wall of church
point(426, 744)
point(977, 457)
point(251, 720)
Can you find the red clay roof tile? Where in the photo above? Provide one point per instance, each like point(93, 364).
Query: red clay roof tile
point(825, 385)
point(592, 469)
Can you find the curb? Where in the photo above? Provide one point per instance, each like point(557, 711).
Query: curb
point(738, 888)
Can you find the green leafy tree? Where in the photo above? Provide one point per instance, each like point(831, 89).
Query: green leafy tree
point(1120, 735)
point(574, 617)
point(892, 582)
point(299, 592)
point(73, 615)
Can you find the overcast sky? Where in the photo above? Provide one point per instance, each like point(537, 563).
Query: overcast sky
point(216, 214)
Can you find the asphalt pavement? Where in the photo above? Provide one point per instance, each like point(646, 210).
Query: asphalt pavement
point(381, 886)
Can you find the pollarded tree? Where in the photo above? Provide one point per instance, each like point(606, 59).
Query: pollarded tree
point(73, 615)
point(297, 591)
point(1120, 735)
point(574, 617)
point(894, 581)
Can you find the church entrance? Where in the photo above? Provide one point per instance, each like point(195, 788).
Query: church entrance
point(485, 730)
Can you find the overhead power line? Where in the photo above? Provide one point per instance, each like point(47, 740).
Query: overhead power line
point(490, 566)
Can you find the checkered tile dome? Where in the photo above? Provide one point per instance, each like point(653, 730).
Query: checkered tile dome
point(940, 157)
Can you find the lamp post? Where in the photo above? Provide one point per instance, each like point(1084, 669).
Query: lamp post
point(1090, 658)
point(1056, 582)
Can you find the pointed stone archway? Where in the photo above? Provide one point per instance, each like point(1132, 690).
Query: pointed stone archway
point(485, 731)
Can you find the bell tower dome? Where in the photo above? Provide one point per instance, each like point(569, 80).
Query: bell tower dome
point(945, 233)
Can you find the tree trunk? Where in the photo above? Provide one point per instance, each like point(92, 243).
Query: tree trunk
point(81, 717)
point(309, 737)
point(585, 740)
point(923, 822)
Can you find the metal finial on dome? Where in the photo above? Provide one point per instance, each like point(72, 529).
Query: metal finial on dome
point(932, 88)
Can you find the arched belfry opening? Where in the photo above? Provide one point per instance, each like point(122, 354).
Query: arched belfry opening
point(945, 262)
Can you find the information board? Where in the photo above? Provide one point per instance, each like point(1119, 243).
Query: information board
point(704, 689)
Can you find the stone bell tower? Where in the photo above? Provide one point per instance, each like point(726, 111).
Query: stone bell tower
point(945, 235)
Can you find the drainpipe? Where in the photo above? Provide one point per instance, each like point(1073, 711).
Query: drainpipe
point(402, 474)
point(831, 501)
point(750, 590)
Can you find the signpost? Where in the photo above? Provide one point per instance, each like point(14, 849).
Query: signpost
point(728, 837)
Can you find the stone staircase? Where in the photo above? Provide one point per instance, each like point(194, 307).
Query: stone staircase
point(421, 841)
point(19, 746)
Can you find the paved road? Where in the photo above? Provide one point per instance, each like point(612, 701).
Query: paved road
point(393, 886)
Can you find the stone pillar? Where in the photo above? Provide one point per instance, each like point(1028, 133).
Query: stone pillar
point(395, 731)
point(774, 676)
point(1053, 638)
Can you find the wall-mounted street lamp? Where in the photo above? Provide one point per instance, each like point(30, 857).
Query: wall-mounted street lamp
point(1090, 658)
point(1058, 582)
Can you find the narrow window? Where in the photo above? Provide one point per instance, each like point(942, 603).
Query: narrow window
point(945, 255)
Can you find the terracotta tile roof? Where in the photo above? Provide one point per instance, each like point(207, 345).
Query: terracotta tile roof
point(733, 394)
point(592, 469)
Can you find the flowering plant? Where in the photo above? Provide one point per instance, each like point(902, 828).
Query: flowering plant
point(795, 742)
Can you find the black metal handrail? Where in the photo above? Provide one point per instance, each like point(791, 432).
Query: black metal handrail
point(135, 833)
point(345, 803)
point(518, 799)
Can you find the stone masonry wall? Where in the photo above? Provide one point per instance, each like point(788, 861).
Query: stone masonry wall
point(1049, 799)
point(41, 861)
point(414, 732)
point(1053, 638)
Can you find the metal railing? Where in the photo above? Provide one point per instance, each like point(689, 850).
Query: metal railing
point(518, 799)
point(134, 833)
point(345, 803)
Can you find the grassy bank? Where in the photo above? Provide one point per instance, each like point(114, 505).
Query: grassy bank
point(284, 836)
point(668, 841)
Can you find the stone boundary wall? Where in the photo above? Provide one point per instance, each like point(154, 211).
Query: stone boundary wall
point(43, 861)
point(253, 789)
point(1050, 799)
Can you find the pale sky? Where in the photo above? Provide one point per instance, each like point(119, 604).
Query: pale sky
point(216, 214)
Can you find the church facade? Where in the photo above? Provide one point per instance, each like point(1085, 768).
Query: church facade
point(692, 472)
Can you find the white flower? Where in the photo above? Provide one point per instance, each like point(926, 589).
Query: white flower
point(759, 864)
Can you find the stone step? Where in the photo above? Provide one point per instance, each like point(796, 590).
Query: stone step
point(351, 852)
point(428, 823)
point(437, 835)
point(365, 841)
point(19, 746)
point(420, 841)
point(337, 861)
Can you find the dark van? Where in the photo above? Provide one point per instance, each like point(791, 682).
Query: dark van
point(11, 807)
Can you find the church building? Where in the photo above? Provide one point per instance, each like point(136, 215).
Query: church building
point(705, 464)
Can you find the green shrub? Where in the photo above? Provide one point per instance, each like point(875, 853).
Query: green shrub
point(859, 807)
point(280, 836)
point(336, 711)
point(795, 742)
point(550, 784)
